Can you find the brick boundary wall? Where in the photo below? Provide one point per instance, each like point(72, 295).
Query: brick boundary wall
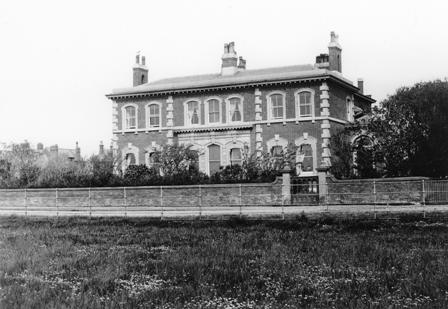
point(198, 200)
point(401, 190)
point(107, 200)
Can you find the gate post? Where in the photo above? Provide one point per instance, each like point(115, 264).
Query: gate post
point(286, 185)
point(323, 187)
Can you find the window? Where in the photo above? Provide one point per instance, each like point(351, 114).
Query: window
point(130, 159)
point(277, 151)
point(306, 151)
point(350, 113)
point(276, 106)
point(305, 104)
point(193, 113)
point(213, 111)
point(150, 159)
point(214, 158)
point(153, 115)
point(235, 156)
point(235, 109)
point(130, 117)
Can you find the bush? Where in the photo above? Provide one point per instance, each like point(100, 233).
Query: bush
point(173, 165)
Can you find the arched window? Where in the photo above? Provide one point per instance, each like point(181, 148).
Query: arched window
point(277, 151)
point(153, 112)
point(306, 155)
point(235, 156)
point(305, 152)
point(235, 109)
point(150, 159)
point(130, 159)
point(130, 117)
point(214, 111)
point(214, 158)
point(276, 106)
point(193, 113)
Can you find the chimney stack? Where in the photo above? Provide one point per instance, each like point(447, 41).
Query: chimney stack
point(77, 153)
point(54, 149)
point(322, 61)
point(334, 53)
point(101, 151)
point(140, 71)
point(40, 147)
point(241, 64)
point(229, 64)
point(361, 85)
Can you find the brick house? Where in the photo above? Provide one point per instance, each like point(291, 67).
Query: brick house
point(225, 114)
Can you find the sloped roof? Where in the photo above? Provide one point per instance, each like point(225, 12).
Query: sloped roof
point(239, 78)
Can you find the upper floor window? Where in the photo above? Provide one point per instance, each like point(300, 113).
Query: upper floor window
point(235, 109)
point(305, 104)
point(193, 114)
point(214, 112)
point(276, 106)
point(153, 111)
point(130, 117)
point(235, 156)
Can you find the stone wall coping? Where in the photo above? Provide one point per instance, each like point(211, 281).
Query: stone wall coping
point(203, 186)
point(333, 179)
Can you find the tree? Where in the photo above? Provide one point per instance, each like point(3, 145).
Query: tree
point(342, 154)
point(411, 129)
point(105, 170)
point(178, 164)
point(19, 166)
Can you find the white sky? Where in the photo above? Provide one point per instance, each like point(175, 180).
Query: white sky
point(59, 58)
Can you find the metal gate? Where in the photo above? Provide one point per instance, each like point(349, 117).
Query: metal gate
point(305, 190)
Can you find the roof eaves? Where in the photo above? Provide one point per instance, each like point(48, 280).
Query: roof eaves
point(365, 97)
point(207, 88)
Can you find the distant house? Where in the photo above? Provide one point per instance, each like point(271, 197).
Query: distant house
point(53, 152)
point(237, 110)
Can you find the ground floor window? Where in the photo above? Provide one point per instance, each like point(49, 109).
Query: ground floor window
point(306, 152)
point(235, 156)
point(277, 151)
point(130, 159)
point(214, 158)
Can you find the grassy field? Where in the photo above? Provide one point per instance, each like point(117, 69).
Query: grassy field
point(320, 263)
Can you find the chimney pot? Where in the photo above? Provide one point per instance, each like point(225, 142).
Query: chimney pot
point(241, 63)
point(143, 60)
